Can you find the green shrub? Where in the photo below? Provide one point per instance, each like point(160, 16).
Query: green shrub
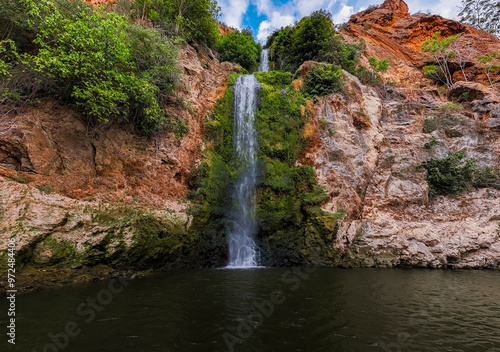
point(190, 20)
point(366, 76)
point(323, 80)
point(451, 175)
point(441, 121)
point(454, 174)
point(431, 143)
point(312, 38)
point(487, 177)
point(155, 57)
point(240, 48)
point(95, 61)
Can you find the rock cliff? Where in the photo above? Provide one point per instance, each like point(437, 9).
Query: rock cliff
point(390, 31)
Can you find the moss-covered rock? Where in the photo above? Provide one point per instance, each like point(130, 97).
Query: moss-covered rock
point(292, 228)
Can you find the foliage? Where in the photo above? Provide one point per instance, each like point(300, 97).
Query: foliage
point(279, 119)
point(191, 20)
point(154, 56)
point(13, 23)
point(366, 76)
point(487, 66)
point(312, 38)
point(440, 50)
point(451, 175)
point(454, 174)
point(482, 14)
point(94, 60)
point(292, 228)
point(431, 143)
point(324, 79)
point(240, 48)
point(379, 66)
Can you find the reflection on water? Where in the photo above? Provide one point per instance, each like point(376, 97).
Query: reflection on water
point(270, 310)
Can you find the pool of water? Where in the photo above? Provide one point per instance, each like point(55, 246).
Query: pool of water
point(268, 309)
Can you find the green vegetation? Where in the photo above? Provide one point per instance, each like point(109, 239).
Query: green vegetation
point(312, 38)
point(440, 51)
point(240, 47)
point(379, 66)
point(431, 143)
point(292, 228)
point(212, 183)
point(186, 20)
point(445, 118)
point(109, 67)
point(454, 174)
point(324, 79)
point(487, 66)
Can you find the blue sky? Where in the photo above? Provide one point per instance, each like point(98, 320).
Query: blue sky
point(263, 16)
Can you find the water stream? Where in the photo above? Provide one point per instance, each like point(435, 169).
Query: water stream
point(242, 248)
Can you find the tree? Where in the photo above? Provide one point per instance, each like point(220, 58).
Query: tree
point(487, 66)
point(312, 38)
point(194, 19)
point(440, 50)
point(379, 66)
point(482, 14)
point(240, 48)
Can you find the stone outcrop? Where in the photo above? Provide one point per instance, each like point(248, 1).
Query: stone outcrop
point(74, 195)
point(372, 171)
point(390, 31)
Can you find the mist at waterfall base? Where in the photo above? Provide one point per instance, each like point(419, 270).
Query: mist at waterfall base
point(322, 310)
point(242, 249)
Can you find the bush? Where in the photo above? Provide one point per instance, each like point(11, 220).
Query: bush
point(313, 38)
point(366, 76)
point(191, 20)
point(323, 80)
point(241, 49)
point(451, 175)
point(155, 57)
point(454, 174)
point(95, 61)
point(441, 121)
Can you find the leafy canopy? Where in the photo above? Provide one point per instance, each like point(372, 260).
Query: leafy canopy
point(241, 48)
point(440, 51)
point(98, 62)
point(312, 38)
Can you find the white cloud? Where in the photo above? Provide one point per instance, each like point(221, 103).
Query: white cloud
point(344, 14)
point(291, 11)
point(276, 21)
point(233, 11)
point(305, 7)
point(444, 8)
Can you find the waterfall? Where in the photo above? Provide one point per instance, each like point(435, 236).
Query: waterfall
point(264, 61)
point(242, 248)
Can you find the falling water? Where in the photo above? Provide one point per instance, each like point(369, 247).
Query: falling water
point(264, 61)
point(242, 248)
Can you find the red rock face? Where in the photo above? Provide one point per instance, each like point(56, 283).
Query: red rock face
point(390, 31)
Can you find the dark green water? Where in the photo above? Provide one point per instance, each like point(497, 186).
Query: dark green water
point(326, 310)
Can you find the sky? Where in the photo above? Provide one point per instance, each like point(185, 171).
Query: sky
point(263, 16)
